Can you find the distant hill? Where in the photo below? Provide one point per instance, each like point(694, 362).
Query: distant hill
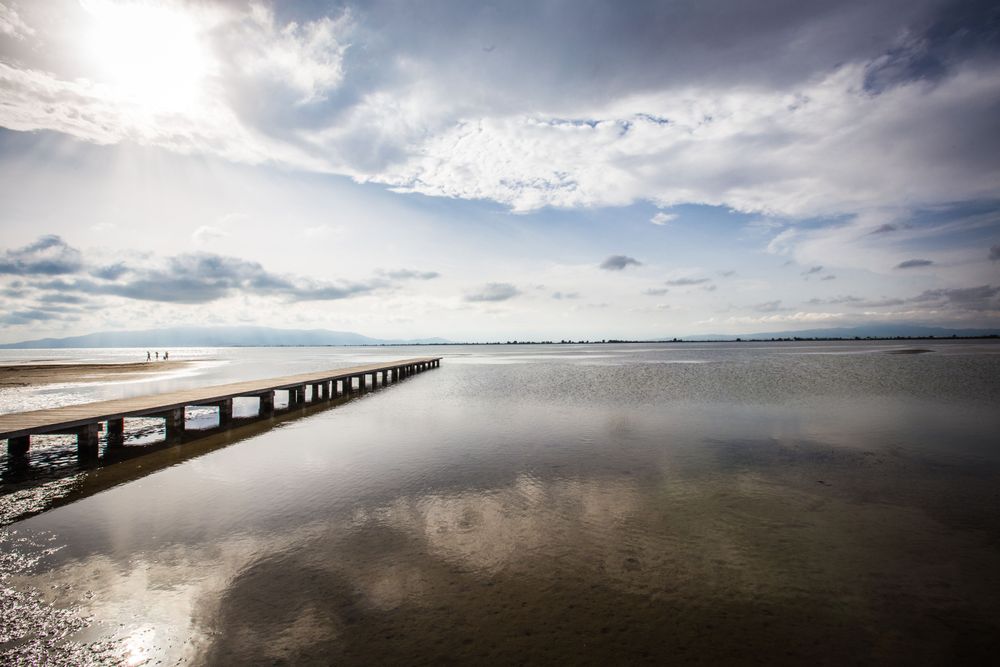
point(867, 331)
point(246, 336)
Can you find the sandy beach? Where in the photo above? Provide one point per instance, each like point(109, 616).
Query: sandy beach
point(25, 375)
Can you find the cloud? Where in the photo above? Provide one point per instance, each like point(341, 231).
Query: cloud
point(683, 282)
point(770, 306)
point(619, 262)
point(20, 317)
point(995, 253)
point(188, 278)
point(662, 218)
point(829, 277)
point(410, 274)
point(49, 255)
point(565, 295)
point(884, 229)
point(979, 298)
point(12, 25)
point(983, 297)
point(307, 57)
point(914, 263)
point(207, 234)
point(110, 271)
point(812, 270)
point(656, 291)
point(571, 109)
point(493, 292)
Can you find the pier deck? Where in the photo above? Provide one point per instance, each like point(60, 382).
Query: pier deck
point(84, 420)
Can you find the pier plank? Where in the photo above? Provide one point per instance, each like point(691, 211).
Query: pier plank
point(65, 418)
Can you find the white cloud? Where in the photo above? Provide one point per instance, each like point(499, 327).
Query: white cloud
point(413, 116)
point(208, 235)
point(817, 150)
point(11, 23)
point(306, 57)
point(662, 218)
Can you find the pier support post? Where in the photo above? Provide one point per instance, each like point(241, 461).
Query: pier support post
point(266, 407)
point(175, 423)
point(86, 441)
point(116, 432)
point(18, 446)
point(361, 383)
point(226, 412)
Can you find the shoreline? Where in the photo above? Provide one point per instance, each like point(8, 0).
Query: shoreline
point(31, 375)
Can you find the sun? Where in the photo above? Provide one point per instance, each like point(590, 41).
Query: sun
point(153, 56)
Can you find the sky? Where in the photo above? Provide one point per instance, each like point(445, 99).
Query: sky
point(485, 171)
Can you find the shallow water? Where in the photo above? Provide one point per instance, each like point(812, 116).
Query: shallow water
point(771, 503)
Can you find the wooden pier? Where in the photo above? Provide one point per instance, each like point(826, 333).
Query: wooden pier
point(85, 420)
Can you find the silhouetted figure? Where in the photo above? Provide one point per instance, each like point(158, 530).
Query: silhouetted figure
point(148, 356)
point(157, 356)
point(166, 355)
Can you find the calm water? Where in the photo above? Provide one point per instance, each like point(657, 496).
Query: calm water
point(752, 503)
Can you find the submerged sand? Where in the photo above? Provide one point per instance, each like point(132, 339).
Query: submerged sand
point(26, 375)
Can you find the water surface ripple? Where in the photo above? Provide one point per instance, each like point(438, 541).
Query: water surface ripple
point(756, 503)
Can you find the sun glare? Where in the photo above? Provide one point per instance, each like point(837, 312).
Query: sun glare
point(150, 55)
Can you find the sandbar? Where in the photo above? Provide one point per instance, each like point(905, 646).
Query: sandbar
point(27, 375)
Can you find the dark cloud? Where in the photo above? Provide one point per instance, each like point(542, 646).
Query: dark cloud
point(995, 252)
point(683, 282)
point(110, 272)
point(727, 274)
point(983, 297)
point(62, 298)
point(656, 291)
point(810, 271)
point(829, 277)
point(48, 256)
point(884, 229)
point(770, 307)
point(565, 295)
point(957, 32)
point(191, 278)
point(619, 262)
point(19, 317)
point(914, 263)
point(493, 292)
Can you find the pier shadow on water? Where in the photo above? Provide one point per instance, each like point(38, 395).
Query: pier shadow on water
point(53, 473)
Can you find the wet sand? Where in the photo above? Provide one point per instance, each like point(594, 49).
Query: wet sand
point(28, 375)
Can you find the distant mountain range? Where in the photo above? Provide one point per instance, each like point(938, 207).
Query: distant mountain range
point(246, 336)
point(867, 331)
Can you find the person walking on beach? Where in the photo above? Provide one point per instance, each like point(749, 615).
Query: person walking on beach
point(166, 355)
point(157, 356)
point(148, 356)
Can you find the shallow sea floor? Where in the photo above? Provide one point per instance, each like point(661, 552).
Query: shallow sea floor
point(773, 505)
